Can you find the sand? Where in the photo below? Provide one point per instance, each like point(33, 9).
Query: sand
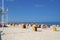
point(17, 33)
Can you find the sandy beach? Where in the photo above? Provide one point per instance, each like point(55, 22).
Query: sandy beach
point(17, 33)
point(29, 19)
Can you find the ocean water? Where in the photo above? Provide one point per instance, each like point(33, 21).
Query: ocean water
point(51, 23)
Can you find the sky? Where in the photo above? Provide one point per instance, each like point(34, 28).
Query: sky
point(33, 10)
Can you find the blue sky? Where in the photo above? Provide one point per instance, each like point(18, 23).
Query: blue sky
point(33, 10)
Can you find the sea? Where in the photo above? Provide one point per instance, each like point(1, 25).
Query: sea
point(51, 23)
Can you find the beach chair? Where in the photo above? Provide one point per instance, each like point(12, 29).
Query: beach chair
point(34, 27)
point(42, 26)
point(54, 28)
point(39, 26)
point(23, 26)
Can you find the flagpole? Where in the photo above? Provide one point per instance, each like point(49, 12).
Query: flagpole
point(7, 15)
point(2, 13)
